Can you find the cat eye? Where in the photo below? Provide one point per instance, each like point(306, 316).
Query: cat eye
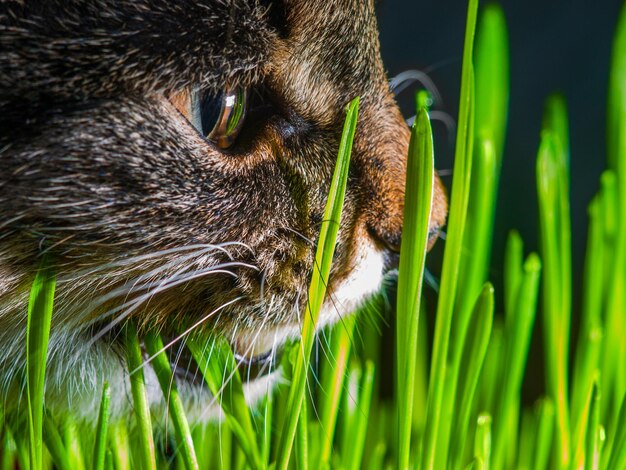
point(219, 116)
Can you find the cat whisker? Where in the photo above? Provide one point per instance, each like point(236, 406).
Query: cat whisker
point(137, 260)
point(185, 333)
point(401, 81)
point(431, 280)
point(163, 286)
point(299, 234)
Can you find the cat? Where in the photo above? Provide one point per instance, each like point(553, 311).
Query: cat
point(173, 159)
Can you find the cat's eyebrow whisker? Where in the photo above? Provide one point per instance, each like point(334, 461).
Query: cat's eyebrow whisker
point(401, 81)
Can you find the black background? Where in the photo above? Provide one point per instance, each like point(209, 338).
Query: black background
point(562, 46)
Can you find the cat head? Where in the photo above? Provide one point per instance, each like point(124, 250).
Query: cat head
point(174, 159)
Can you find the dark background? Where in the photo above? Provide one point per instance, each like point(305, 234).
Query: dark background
point(556, 45)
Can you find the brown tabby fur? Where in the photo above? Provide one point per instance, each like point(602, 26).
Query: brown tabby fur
point(100, 170)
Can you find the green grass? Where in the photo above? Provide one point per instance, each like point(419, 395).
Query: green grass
point(456, 405)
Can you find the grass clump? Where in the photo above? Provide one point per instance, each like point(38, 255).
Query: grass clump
point(463, 409)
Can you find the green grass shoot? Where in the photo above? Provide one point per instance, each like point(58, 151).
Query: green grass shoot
point(319, 281)
point(161, 365)
point(37, 336)
point(418, 201)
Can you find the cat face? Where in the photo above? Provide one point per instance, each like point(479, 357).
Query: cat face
point(174, 160)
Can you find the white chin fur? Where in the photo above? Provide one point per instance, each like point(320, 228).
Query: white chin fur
point(85, 379)
point(363, 282)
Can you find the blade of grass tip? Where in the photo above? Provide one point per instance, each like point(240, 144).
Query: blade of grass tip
point(353, 452)
point(54, 443)
point(518, 333)
point(140, 398)
point(161, 366)
point(108, 460)
point(332, 383)
point(319, 281)
point(482, 441)
point(545, 433)
point(219, 368)
point(555, 120)
point(417, 207)
point(474, 350)
point(555, 337)
point(513, 271)
point(475, 464)
point(37, 335)
point(377, 461)
point(102, 429)
point(592, 439)
point(492, 96)
point(615, 455)
point(433, 439)
point(492, 76)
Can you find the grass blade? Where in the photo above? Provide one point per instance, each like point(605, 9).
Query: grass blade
point(556, 318)
point(545, 434)
point(332, 383)
point(417, 207)
point(592, 444)
point(517, 339)
point(613, 371)
point(492, 78)
point(54, 443)
point(513, 271)
point(435, 442)
point(219, 368)
point(140, 399)
point(102, 429)
point(319, 280)
point(474, 351)
point(353, 448)
point(37, 335)
point(482, 442)
point(161, 365)
point(118, 442)
point(616, 448)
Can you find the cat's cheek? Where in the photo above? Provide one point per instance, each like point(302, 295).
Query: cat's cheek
point(362, 282)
